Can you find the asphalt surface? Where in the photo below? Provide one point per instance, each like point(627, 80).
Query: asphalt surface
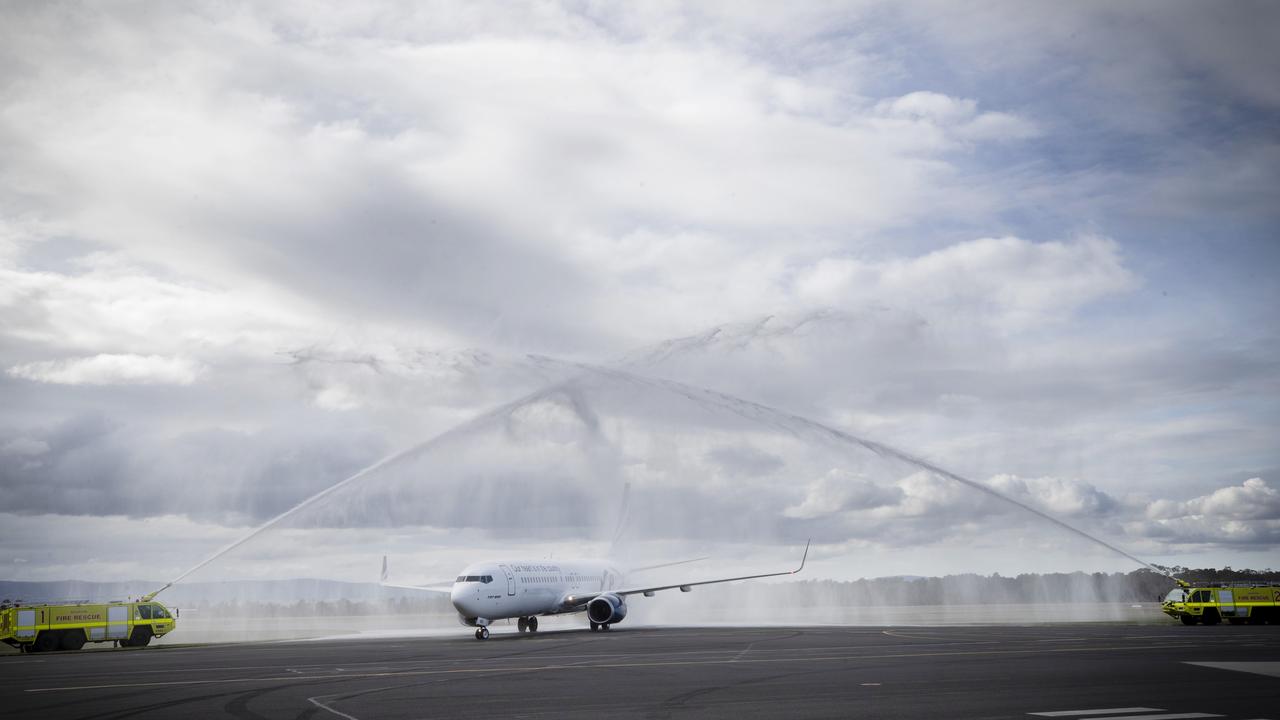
point(1066, 671)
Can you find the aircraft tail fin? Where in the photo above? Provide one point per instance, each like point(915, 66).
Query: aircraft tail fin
point(615, 544)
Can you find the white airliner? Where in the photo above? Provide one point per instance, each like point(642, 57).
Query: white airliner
point(498, 590)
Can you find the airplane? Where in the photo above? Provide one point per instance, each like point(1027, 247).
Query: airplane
point(521, 589)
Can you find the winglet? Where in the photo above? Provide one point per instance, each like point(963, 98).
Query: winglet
point(804, 557)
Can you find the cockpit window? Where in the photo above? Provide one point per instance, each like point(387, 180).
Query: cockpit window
point(475, 578)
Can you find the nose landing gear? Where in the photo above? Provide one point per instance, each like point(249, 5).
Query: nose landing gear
point(482, 633)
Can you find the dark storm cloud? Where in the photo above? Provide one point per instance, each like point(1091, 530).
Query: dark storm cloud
point(94, 466)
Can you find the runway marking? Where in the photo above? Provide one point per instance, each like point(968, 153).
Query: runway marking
point(1110, 714)
point(1258, 668)
point(1101, 711)
point(587, 665)
point(745, 650)
point(1163, 716)
point(315, 701)
point(957, 640)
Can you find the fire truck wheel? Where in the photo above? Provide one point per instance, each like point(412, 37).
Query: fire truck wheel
point(1211, 617)
point(72, 640)
point(45, 641)
point(140, 637)
point(1189, 619)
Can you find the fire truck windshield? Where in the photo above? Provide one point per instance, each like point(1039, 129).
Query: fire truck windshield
point(1176, 595)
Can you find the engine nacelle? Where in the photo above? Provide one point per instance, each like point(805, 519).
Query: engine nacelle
point(607, 609)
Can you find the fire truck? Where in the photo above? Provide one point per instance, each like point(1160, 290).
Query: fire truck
point(1239, 603)
point(42, 627)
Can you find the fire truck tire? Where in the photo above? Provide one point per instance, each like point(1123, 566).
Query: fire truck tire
point(140, 637)
point(72, 640)
point(1211, 617)
point(1189, 619)
point(45, 641)
point(1237, 621)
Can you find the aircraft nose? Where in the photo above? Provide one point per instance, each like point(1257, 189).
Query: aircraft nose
point(458, 597)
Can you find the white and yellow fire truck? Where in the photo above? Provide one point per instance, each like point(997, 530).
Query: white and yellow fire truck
point(1254, 603)
point(41, 627)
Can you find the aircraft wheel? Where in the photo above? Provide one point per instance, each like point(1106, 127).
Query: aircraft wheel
point(604, 626)
point(484, 633)
point(522, 624)
point(533, 624)
point(594, 626)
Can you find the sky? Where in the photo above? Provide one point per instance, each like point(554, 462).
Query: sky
point(754, 260)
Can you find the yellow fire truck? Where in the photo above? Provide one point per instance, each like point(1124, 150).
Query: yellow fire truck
point(68, 626)
point(1255, 603)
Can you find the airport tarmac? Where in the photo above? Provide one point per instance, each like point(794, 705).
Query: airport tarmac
point(1100, 672)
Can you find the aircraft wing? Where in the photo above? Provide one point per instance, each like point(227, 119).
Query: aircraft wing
point(583, 598)
point(444, 587)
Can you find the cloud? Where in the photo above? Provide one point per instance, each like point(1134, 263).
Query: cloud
point(1245, 515)
point(1008, 281)
point(24, 447)
point(838, 492)
point(107, 369)
point(956, 117)
point(1061, 497)
point(1028, 242)
point(1252, 500)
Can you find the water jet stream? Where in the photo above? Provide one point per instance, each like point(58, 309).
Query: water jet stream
point(791, 423)
point(753, 411)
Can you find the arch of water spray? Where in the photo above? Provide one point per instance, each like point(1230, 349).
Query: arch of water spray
point(569, 390)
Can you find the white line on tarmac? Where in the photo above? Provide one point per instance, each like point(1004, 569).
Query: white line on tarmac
point(316, 701)
point(580, 665)
point(1259, 668)
point(1162, 716)
point(1099, 711)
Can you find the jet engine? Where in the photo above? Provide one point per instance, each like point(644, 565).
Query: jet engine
point(607, 609)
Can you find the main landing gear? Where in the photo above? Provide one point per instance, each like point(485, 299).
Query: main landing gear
point(529, 624)
point(482, 633)
point(598, 626)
